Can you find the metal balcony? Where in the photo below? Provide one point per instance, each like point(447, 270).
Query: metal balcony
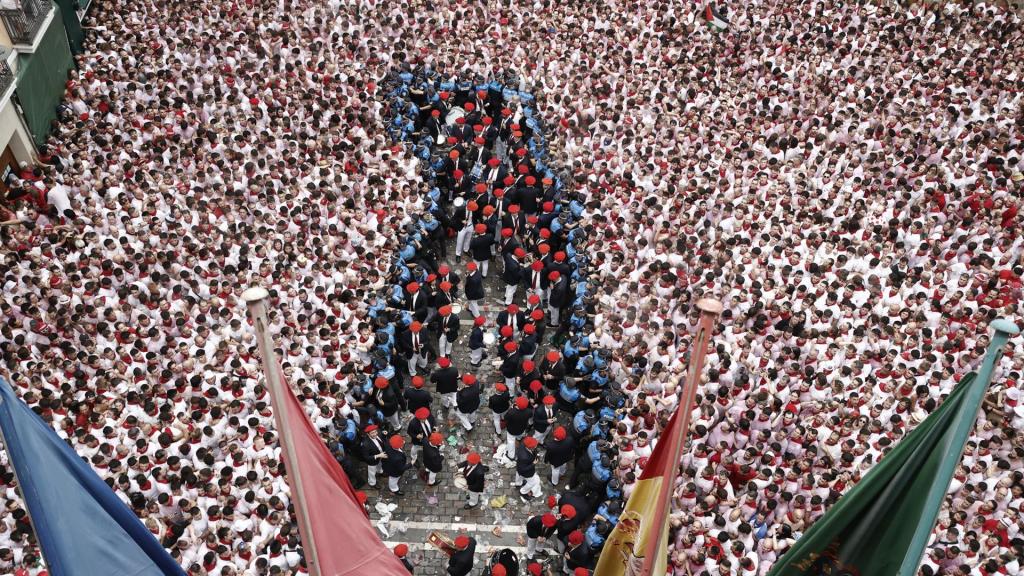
point(25, 22)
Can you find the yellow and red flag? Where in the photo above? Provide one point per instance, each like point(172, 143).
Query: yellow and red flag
point(644, 519)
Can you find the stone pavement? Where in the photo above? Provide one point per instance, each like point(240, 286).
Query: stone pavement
point(424, 509)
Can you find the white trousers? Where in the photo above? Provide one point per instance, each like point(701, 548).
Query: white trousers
point(467, 420)
point(532, 486)
point(496, 420)
point(476, 356)
point(510, 383)
point(444, 347)
point(556, 473)
point(473, 498)
point(541, 436)
point(414, 452)
point(474, 307)
point(448, 400)
point(431, 477)
point(462, 240)
point(483, 266)
point(510, 293)
point(393, 483)
point(394, 421)
point(371, 474)
point(416, 362)
point(510, 445)
point(553, 313)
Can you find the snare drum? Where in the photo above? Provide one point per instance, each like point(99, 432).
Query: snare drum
point(456, 308)
point(490, 339)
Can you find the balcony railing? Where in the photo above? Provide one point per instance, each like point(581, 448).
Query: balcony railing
point(23, 23)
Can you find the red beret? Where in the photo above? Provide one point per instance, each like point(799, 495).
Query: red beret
point(415, 326)
point(444, 362)
point(469, 106)
point(549, 206)
point(479, 321)
point(552, 356)
point(435, 438)
point(422, 413)
point(498, 570)
point(371, 428)
point(505, 331)
point(500, 387)
point(522, 402)
point(480, 228)
point(568, 511)
point(381, 382)
point(560, 433)
point(530, 442)
point(554, 275)
point(576, 538)
point(412, 286)
point(534, 569)
point(535, 387)
point(401, 550)
point(528, 365)
point(435, 113)
point(519, 253)
point(493, 162)
point(549, 400)
point(473, 458)
point(396, 441)
point(511, 346)
point(461, 541)
point(507, 232)
point(548, 520)
point(417, 381)
point(468, 379)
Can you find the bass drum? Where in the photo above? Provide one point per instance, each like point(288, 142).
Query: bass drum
point(490, 339)
point(507, 558)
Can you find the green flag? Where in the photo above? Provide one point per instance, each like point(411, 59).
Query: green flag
point(882, 525)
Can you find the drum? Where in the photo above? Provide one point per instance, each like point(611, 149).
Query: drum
point(458, 202)
point(456, 308)
point(490, 339)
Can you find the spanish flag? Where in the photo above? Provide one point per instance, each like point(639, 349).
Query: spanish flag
point(639, 543)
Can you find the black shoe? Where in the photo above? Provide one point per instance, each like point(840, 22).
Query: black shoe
point(469, 506)
point(399, 493)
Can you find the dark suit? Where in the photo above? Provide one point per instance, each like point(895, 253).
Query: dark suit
point(517, 421)
point(475, 478)
point(461, 562)
point(432, 458)
point(417, 398)
point(396, 462)
point(475, 286)
point(513, 273)
point(468, 399)
point(417, 428)
point(541, 416)
point(480, 247)
point(446, 380)
point(558, 452)
point(449, 327)
point(525, 459)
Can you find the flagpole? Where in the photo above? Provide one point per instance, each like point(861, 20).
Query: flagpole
point(710, 309)
point(255, 300)
point(1004, 329)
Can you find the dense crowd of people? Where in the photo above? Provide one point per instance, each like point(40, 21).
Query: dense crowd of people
point(845, 177)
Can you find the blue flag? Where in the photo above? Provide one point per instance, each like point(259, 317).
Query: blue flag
point(84, 529)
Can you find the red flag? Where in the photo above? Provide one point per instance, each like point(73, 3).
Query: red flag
point(346, 543)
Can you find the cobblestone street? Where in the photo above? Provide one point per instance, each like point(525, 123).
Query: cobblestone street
point(424, 509)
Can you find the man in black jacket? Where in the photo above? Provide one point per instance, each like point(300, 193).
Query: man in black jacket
point(448, 331)
point(373, 453)
point(474, 289)
point(419, 429)
point(576, 555)
point(395, 464)
point(517, 422)
point(416, 397)
point(558, 452)
point(461, 562)
point(559, 297)
point(499, 403)
point(383, 396)
point(415, 346)
point(526, 468)
point(480, 247)
point(477, 348)
point(543, 417)
point(539, 527)
point(446, 381)
point(474, 472)
point(512, 275)
point(467, 401)
point(433, 460)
